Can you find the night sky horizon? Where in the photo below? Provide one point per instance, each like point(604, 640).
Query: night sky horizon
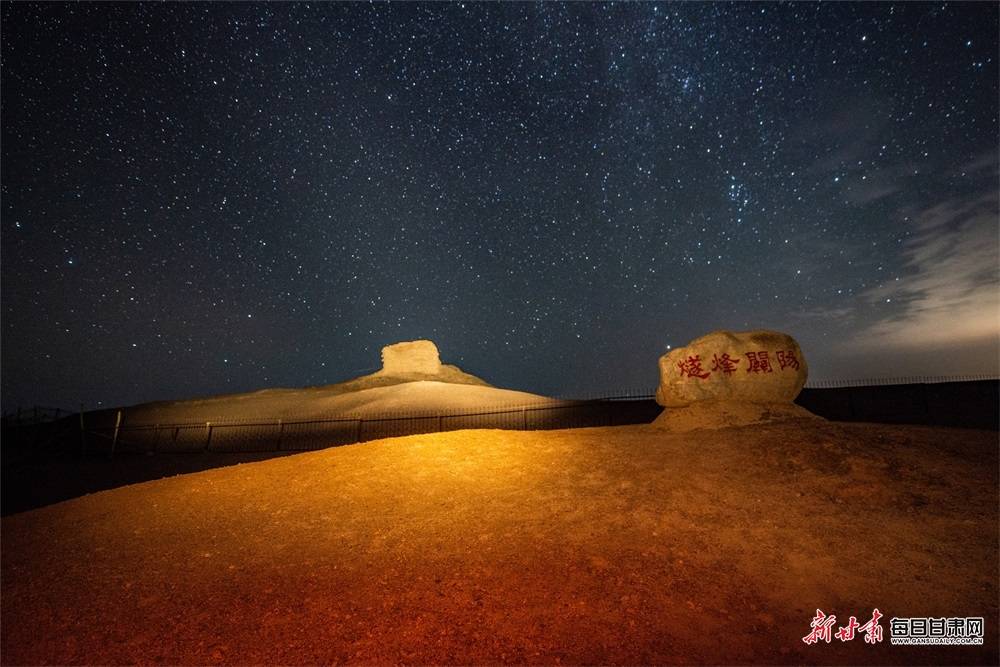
point(210, 198)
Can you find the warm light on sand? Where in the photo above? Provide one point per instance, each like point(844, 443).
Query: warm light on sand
point(605, 545)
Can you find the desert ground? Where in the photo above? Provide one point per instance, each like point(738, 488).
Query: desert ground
point(602, 545)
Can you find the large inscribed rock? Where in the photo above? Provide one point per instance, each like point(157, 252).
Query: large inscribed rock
point(758, 366)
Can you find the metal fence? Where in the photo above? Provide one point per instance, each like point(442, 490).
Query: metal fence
point(307, 434)
point(37, 414)
point(831, 383)
point(904, 380)
point(877, 399)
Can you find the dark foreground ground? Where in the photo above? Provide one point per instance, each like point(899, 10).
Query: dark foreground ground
point(63, 475)
point(605, 545)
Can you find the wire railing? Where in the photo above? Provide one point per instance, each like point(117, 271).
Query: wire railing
point(915, 398)
point(901, 380)
point(826, 383)
point(247, 435)
point(36, 414)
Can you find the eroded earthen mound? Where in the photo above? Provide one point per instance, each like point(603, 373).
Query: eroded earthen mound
point(415, 360)
point(415, 356)
point(728, 414)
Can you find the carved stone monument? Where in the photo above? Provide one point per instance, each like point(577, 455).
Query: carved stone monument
point(731, 379)
point(759, 366)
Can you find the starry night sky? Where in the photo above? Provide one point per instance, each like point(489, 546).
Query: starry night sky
point(209, 198)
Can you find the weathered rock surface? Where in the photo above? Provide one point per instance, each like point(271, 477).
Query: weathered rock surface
point(758, 366)
point(413, 361)
point(416, 356)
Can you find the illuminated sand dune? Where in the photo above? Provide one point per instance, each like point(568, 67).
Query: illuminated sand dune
point(423, 396)
point(606, 545)
point(411, 380)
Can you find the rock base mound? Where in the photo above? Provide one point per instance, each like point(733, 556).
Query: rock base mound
point(714, 415)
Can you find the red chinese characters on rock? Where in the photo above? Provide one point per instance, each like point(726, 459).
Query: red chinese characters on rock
point(757, 362)
point(786, 359)
point(725, 363)
point(691, 367)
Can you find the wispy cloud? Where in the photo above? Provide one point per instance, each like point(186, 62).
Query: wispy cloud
point(875, 185)
point(952, 293)
point(984, 163)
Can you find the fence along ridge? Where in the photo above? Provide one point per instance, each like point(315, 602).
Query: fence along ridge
point(310, 434)
point(40, 408)
point(278, 434)
point(507, 409)
point(390, 415)
point(36, 413)
point(900, 380)
point(555, 403)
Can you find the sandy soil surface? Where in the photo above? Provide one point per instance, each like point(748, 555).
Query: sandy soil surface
point(370, 398)
point(606, 545)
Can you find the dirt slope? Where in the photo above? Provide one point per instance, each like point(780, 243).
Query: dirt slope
point(609, 545)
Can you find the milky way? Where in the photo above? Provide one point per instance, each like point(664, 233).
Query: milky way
point(208, 198)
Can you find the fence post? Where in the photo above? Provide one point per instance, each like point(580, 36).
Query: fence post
point(439, 424)
point(281, 433)
point(83, 432)
point(208, 435)
point(35, 430)
point(118, 425)
point(357, 436)
point(156, 437)
point(524, 418)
